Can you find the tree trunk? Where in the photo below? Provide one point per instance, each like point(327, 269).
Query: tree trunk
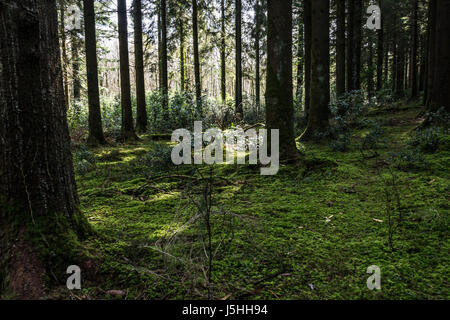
point(300, 59)
point(320, 66)
point(198, 85)
point(95, 118)
point(350, 48)
point(125, 88)
point(415, 39)
point(340, 49)
point(238, 91)
point(308, 44)
point(39, 216)
point(223, 79)
point(439, 92)
point(257, 56)
point(141, 106)
point(182, 58)
point(380, 53)
point(64, 61)
point(164, 72)
point(357, 40)
point(370, 68)
point(279, 91)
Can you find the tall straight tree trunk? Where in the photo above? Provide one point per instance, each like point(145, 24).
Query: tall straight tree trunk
point(182, 58)
point(380, 53)
point(141, 106)
point(95, 117)
point(350, 48)
point(238, 62)
point(279, 91)
point(164, 71)
point(76, 84)
point(400, 77)
point(300, 58)
point(357, 43)
point(415, 39)
point(198, 84)
point(63, 37)
point(308, 44)
point(125, 88)
point(320, 66)
point(39, 216)
point(223, 79)
point(439, 95)
point(257, 56)
point(340, 48)
point(370, 68)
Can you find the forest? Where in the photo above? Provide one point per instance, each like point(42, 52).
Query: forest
point(116, 115)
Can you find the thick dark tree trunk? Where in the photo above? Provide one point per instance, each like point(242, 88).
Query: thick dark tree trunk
point(320, 66)
point(38, 196)
point(340, 48)
point(279, 92)
point(164, 71)
point(440, 77)
point(198, 83)
point(125, 88)
point(141, 106)
point(308, 44)
point(95, 118)
point(223, 79)
point(238, 62)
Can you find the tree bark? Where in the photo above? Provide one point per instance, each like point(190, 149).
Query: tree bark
point(380, 52)
point(39, 216)
point(340, 48)
point(238, 35)
point(164, 72)
point(357, 40)
point(308, 44)
point(125, 87)
point(198, 85)
point(350, 48)
point(279, 91)
point(223, 79)
point(257, 56)
point(300, 58)
point(320, 70)
point(141, 106)
point(64, 61)
point(415, 39)
point(95, 118)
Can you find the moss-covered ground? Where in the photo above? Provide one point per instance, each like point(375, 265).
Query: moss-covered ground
point(310, 232)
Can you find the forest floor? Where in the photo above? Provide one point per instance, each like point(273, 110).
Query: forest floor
point(309, 232)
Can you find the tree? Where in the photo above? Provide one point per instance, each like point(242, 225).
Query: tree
point(300, 53)
point(415, 39)
point(319, 113)
point(238, 36)
point(380, 53)
point(340, 48)
point(439, 95)
point(141, 108)
point(62, 34)
point(75, 46)
point(356, 47)
point(279, 91)
point(39, 217)
point(125, 88)
point(308, 44)
point(198, 85)
point(350, 42)
point(223, 71)
point(163, 70)
point(95, 118)
point(257, 55)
